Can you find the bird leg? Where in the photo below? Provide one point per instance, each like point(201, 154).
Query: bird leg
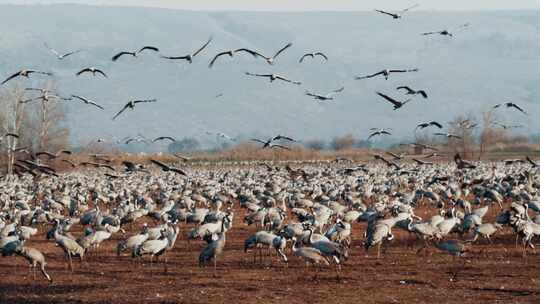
point(215, 266)
point(70, 261)
point(379, 251)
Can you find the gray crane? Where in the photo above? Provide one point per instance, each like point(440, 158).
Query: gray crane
point(213, 249)
point(34, 257)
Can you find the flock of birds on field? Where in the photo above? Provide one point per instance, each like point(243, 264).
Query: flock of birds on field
point(306, 212)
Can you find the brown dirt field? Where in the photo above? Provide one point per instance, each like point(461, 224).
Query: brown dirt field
point(491, 274)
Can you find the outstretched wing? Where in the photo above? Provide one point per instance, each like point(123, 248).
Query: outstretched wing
point(518, 108)
point(409, 90)
point(117, 56)
point(283, 49)
point(87, 101)
point(148, 47)
point(102, 73)
point(438, 125)
point(163, 138)
point(322, 55)
point(11, 77)
point(118, 114)
point(83, 71)
point(410, 8)
point(304, 56)
point(252, 52)
point(369, 76)
point(202, 48)
point(288, 80)
point(144, 100)
point(389, 99)
point(386, 13)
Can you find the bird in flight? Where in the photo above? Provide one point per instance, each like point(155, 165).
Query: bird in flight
point(92, 70)
point(427, 124)
point(61, 56)
point(510, 105)
point(189, 57)
point(131, 105)
point(231, 54)
point(329, 96)
point(397, 15)
point(45, 97)
point(397, 104)
point(386, 73)
point(413, 92)
point(271, 60)
point(269, 143)
point(447, 135)
point(506, 127)
point(25, 73)
point(135, 53)
point(312, 55)
point(167, 168)
point(445, 32)
point(87, 101)
point(378, 132)
point(274, 77)
point(163, 138)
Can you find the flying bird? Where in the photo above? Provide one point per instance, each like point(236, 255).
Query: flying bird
point(189, 57)
point(135, 53)
point(44, 97)
point(274, 77)
point(163, 138)
point(397, 104)
point(131, 105)
point(231, 54)
point(268, 143)
point(87, 101)
point(379, 133)
point(312, 55)
point(447, 135)
point(510, 105)
point(506, 127)
point(428, 124)
point(329, 96)
point(413, 92)
point(445, 32)
point(92, 70)
point(399, 14)
point(271, 60)
point(61, 56)
point(166, 168)
point(25, 73)
point(386, 73)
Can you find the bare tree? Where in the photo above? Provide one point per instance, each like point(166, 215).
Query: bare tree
point(39, 124)
point(12, 118)
point(463, 126)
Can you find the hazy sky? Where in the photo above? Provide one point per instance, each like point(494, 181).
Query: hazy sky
point(302, 5)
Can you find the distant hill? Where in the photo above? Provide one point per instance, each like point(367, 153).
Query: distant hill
point(494, 60)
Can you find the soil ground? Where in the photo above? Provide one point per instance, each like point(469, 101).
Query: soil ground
point(495, 273)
